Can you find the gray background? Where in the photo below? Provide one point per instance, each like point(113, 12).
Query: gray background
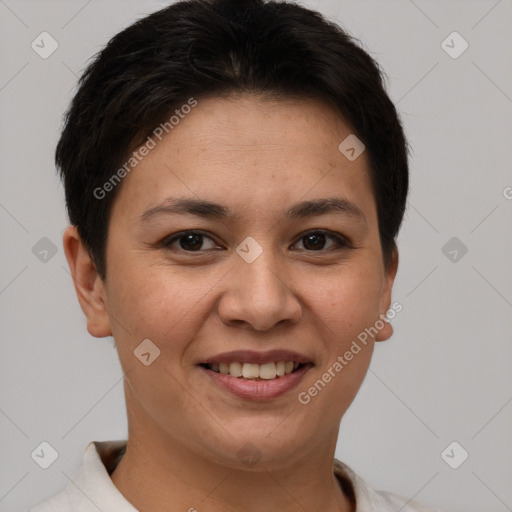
point(443, 377)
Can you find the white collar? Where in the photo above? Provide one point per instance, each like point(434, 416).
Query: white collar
point(91, 489)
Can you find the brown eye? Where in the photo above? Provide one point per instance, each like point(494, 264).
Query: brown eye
point(321, 240)
point(315, 241)
point(189, 241)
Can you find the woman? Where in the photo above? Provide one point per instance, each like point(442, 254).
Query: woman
point(235, 178)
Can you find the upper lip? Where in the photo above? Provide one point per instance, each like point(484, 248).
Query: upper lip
point(251, 356)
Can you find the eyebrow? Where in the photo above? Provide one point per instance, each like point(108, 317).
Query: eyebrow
point(207, 209)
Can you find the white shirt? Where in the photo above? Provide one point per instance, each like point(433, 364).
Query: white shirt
point(91, 488)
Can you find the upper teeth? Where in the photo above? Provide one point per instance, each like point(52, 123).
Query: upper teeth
point(253, 371)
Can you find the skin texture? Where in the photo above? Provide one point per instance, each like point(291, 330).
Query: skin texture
point(257, 157)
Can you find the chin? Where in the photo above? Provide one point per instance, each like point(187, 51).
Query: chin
point(261, 445)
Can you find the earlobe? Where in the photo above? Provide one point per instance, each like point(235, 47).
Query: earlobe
point(88, 284)
point(385, 333)
point(390, 273)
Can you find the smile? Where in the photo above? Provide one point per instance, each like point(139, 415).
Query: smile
point(266, 371)
point(257, 375)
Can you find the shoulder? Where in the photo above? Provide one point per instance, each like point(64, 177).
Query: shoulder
point(372, 500)
point(394, 502)
point(90, 488)
point(58, 503)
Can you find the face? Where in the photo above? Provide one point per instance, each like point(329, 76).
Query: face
point(244, 242)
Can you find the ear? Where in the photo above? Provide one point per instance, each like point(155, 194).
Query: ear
point(89, 286)
point(389, 277)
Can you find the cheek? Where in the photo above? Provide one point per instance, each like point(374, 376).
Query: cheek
point(154, 299)
point(342, 308)
point(347, 302)
point(352, 307)
point(166, 305)
point(162, 306)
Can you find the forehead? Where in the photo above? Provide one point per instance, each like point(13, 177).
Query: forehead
point(250, 123)
point(249, 150)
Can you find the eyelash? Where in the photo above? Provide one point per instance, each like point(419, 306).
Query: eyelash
point(341, 241)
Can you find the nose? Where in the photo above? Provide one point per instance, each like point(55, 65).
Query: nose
point(258, 295)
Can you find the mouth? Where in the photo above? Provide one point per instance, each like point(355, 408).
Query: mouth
point(257, 375)
point(254, 371)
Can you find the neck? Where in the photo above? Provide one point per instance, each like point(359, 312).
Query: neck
point(153, 480)
point(158, 470)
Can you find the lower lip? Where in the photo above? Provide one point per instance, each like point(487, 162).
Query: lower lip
point(258, 389)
